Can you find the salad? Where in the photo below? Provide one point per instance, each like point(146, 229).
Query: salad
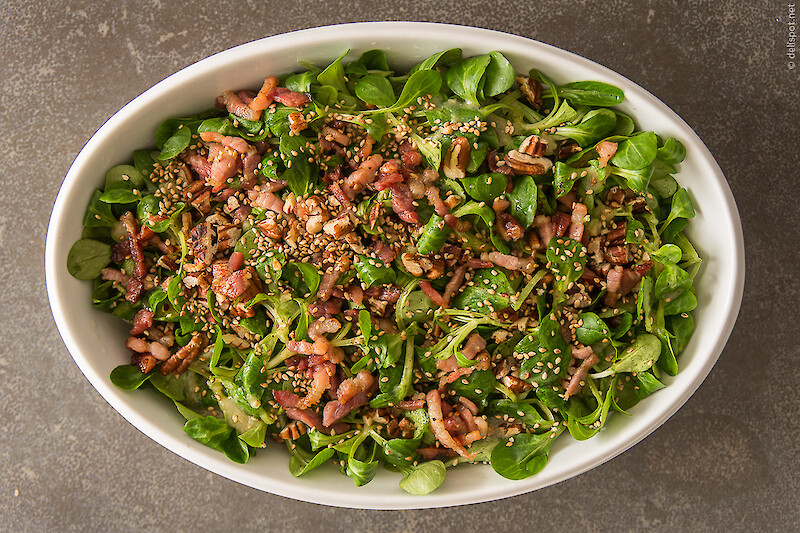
point(455, 264)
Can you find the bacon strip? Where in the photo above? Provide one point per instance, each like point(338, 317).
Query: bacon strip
point(583, 370)
point(434, 401)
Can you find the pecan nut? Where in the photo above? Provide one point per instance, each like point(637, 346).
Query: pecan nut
point(532, 90)
point(524, 164)
point(457, 159)
point(534, 146)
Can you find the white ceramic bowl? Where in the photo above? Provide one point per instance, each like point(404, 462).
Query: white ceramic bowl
point(95, 339)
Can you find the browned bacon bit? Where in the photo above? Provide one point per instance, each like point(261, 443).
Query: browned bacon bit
point(320, 382)
point(613, 286)
point(432, 452)
point(545, 227)
point(409, 155)
point(630, 279)
point(589, 277)
point(266, 200)
point(434, 401)
point(243, 283)
point(561, 222)
point(325, 290)
point(233, 103)
point(199, 164)
point(385, 293)
point(644, 268)
point(432, 193)
point(235, 261)
point(120, 251)
point(576, 381)
point(389, 175)
point(606, 150)
point(454, 284)
point(112, 274)
point(411, 405)
point(234, 143)
point(145, 361)
point(356, 294)
point(618, 255)
point(383, 252)
point(403, 204)
point(351, 393)
point(264, 97)
point(186, 355)
point(432, 293)
point(142, 320)
point(579, 212)
point(366, 173)
point(225, 163)
point(502, 260)
point(479, 263)
point(335, 410)
point(339, 194)
point(328, 309)
point(290, 98)
point(366, 150)
point(507, 227)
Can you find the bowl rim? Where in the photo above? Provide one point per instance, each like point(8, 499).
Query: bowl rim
point(308, 491)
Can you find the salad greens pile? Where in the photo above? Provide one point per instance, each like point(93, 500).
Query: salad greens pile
point(411, 270)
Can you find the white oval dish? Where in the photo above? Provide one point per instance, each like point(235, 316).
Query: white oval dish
point(95, 339)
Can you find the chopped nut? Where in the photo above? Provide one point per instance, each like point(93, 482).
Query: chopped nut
point(339, 226)
point(297, 122)
point(526, 164)
point(411, 263)
point(532, 90)
point(457, 159)
point(533, 146)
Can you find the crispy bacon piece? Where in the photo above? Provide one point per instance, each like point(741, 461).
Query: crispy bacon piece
point(561, 222)
point(454, 284)
point(575, 383)
point(142, 320)
point(545, 227)
point(386, 293)
point(264, 97)
point(235, 143)
point(233, 103)
point(403, 204)
point(409, 155)
point(579, 212)
point(434, 401)
point(606, 150)
point(320, 382)
point(365, 174)
point(290, 98)
point(225, 163)
point(266, 199)
point(507, 227)
point(432, 293)
point(411, 405)
point(326, 309)
point(199, 164)
point(144, 361)
point(329, 279)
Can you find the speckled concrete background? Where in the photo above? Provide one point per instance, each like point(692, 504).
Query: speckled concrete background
point(727, 461)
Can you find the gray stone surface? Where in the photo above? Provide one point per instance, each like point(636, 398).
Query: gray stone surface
point(727, 460)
